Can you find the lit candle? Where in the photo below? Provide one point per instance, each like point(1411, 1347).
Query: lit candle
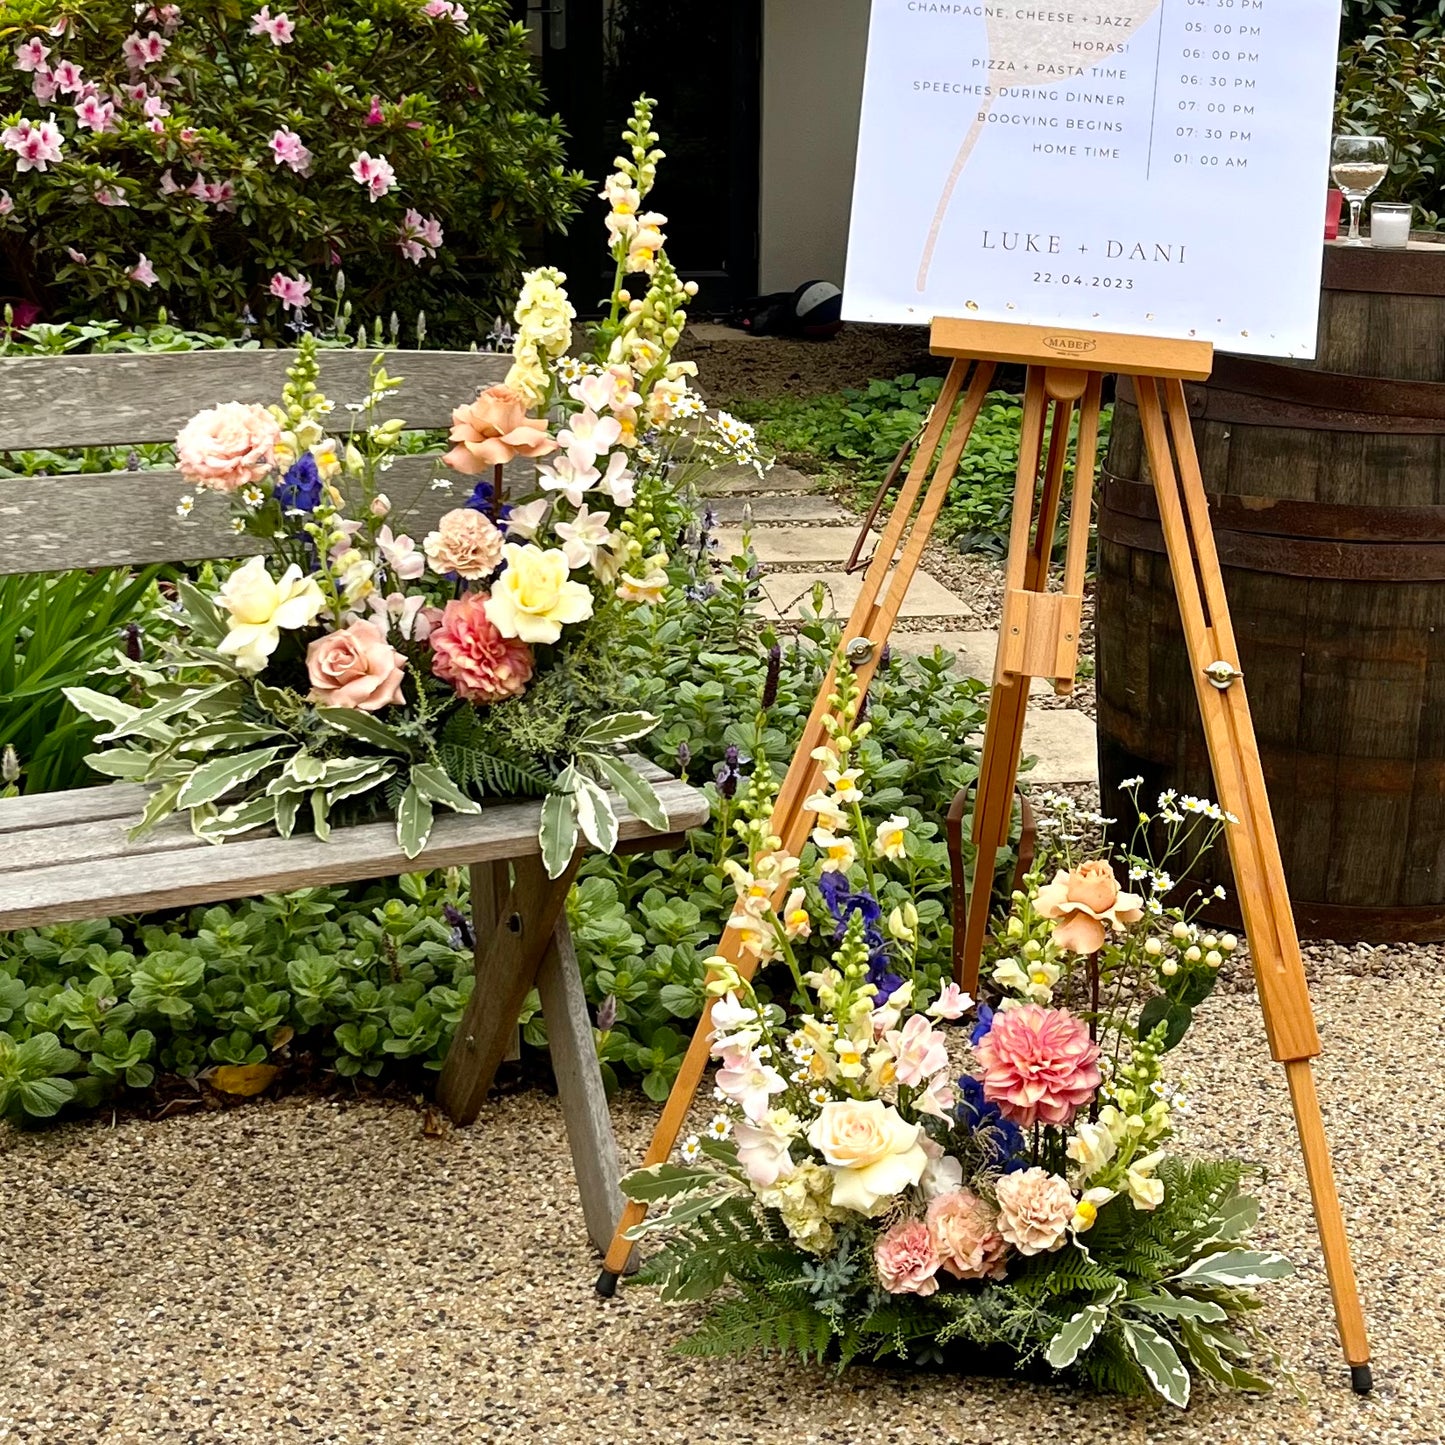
point(1390, 225)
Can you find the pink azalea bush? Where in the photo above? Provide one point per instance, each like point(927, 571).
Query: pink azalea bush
point(288, 142)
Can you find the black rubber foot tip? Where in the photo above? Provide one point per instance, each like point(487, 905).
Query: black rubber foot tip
point(607, 1287)
point(1361, 1380)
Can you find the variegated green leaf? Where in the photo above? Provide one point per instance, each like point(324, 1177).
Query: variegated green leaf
point(633, 788)
point(287, 806)
point(104, 708)
point(253, 813)
point(1236, 1269)
point(303, 767)
point(1077, 1335)
point(681, 1213)
point(594, 812)
point(226, 734)
point(436, 787)
point(146, 723)
point(1203, 1345)
point(413, 821)
point(558, 832)
point(207, 625)
point(1179, 1307)
point(160, 804)
point(320, 814)
point(619, 727)
point(667, 1181)
point(122, 763)
point(357, 724)
point(215, 778)
point(363, 783)
point(1159, 1360)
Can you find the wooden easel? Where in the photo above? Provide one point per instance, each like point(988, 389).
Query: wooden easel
point(1039, 637)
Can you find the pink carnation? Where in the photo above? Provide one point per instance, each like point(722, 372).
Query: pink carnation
point(906, 1260)
point(964, 1231)
point(469, 653)
point(1039, 1065)
point(226, 446)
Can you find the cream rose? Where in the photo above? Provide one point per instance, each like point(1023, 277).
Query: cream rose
point(260, 607)
point(873, 1153)
point(533, 599)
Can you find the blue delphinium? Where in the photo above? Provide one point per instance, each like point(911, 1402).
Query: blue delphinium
point(842, 904)
point(1001, 1140)
point(300, 489)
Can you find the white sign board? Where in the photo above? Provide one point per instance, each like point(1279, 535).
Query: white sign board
point(1156, 167)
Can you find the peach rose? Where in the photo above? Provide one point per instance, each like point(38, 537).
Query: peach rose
point(227, 446)
point(873, 1153)
point(465, 542)
point(493, 429)
point(1035, 1210)
point(964, 1231)
point(469, 653)
point(1083, 901)
point(356, 667)
point(906, 1260)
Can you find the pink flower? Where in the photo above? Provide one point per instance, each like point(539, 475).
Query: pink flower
point(356, 668)
point(465, 542)
point(420, 236)
point(493, 429)
point(286, 149)
point(1035, 1210)
point(446, 10)
point(6, 204)
point(226, 446)
point(374, 115)
point(373, 172)
point(142, 273)
point(281, 29)
point(1038, 1065)
point(155, 106)
point(141, 51)
point(905, 1258)
point(138, 93)
point(293, 291)
point(469, 652)
point(31, 55)
point(951, 1004)
point(167, 186)
point(110, 196)
point(1083, 902)
point(402, 558)
point(413, 619)
point(763, 1151)
point(67, 77)
point(919, 1050)
point(35, 146)
point(79, 257)
point(95, 114)
point(964, 1231)
point(168, 17)
point(43, 84)
point(749, 1081)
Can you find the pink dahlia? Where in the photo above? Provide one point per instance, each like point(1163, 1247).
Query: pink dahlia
point(469, 653)
point(1039, 1065)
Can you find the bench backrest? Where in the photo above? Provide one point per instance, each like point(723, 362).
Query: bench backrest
point(115, 518)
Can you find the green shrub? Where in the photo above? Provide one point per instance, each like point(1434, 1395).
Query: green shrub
point(168, 188)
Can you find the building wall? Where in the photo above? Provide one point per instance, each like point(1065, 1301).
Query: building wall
point(813, 54)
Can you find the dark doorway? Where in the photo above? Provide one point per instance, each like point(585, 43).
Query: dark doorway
point(702, 64)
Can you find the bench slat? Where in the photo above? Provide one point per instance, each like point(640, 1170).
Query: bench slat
point(194, 872)
point(112, 519)
point(119, 399)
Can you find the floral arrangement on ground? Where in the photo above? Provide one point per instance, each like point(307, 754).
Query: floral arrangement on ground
point(876, 1184)
point(351, 670)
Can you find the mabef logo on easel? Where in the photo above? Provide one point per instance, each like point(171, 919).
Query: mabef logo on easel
point(1070, 345)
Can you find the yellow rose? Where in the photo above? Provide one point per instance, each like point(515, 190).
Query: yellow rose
point(873, 1154)
point(533, 598)
point(261, 607)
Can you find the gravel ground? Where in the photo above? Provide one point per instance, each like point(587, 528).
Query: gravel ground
point(317, 1270)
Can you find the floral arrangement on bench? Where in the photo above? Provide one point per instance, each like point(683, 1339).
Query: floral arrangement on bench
point(892, 1176)
point(353, 669)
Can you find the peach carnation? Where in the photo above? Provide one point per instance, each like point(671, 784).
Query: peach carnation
point(1083, 901)
point(493, 429)
point(905, 1259)
point(355, 667)
point(465, 542)
point(1039, 1065)
point(227, 446)
point(469, 653)
point(1035, 1209)
point(964, 1231)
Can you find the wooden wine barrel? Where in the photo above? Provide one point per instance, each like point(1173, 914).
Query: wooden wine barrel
point(1327, 493)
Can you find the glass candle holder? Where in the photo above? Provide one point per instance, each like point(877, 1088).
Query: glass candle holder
point(1390, 225)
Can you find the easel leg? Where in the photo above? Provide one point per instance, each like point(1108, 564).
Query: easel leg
point(507, 960)
point(1253, 846)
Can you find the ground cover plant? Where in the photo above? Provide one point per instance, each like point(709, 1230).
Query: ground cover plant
point(223, 160)
point(852, 437)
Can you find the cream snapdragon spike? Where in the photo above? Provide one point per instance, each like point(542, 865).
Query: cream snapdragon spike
point(903, 1155)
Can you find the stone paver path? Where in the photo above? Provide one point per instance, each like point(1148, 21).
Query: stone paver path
point(802, 539)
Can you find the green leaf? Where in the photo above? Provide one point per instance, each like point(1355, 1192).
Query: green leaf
point(148, 723)
point(363, 725)
point(633, 788)
point(413, 821)
point(253, 813)
point(619, 727)
point(594, 812)
point(557, 833)
point(1236, 1217)
point(1174, 1015)
point(667, 1181)
point(320, 814)
point(287, 806)
point(104, 708)
point(1159, 1361)
point(42, 1098)
point(436, 787)
point(1202, 1344)
point(682, 1213)
point(1236, 1269)
point(1179, 1307)
point(212, 735)
point(122, 763)
point(1076, 1336)
point(207, 624)
point(215, 778)
point(158, 805)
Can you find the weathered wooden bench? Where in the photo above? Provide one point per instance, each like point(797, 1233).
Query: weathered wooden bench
point(66, 856)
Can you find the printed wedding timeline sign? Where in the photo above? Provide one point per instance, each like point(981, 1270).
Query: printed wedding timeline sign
point(1146, 166)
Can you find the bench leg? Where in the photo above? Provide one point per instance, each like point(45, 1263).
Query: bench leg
point(579, 1087)
point(507, 961)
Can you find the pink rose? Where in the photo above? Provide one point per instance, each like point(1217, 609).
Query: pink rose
point(465, 542)
point(356, 667)
point(493, 429)
point(1084, 901)
point(905, 1259)
point(1035, 1210)
point(964, 1232)
point(469, 653)
point(227, 446)
point(1039, 1065)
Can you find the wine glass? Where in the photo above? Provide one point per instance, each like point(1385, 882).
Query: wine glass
point(1358, 163)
